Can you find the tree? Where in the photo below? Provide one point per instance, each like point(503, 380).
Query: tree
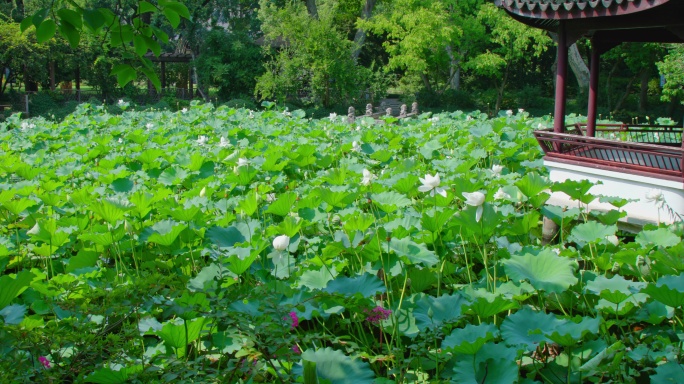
point(417, 33)
point(513, 44)
point(672, 69)
point(230, 62)
point(313, 55)
point(19, 52)
point(125, 24)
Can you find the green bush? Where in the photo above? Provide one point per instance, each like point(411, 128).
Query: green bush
point(240, 103)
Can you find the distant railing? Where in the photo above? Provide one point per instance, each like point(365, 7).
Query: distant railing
point(23, 102)
point(388, 107)
point(652, 150)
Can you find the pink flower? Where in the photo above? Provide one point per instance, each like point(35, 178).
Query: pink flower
point(43, 360)
point(377, 314)
point(296, 350)
point(294, 318)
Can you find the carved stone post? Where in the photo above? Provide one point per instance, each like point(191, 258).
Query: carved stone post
point(414, 108)
point(402, 112)
point(351, 115)
point(369, 109)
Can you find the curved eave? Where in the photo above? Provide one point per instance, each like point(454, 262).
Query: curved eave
point(637, 20)
point(578, 9)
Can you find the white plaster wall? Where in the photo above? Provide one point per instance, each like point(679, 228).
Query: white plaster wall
point(621, 185)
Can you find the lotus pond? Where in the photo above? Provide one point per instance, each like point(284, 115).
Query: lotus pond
point(218, 245)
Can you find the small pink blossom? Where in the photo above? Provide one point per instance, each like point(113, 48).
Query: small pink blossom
point(46, 363)
point(296, 350)
point(294, 318)
point(377, 314)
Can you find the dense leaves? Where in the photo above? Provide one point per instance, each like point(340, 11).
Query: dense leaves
point(229, 245)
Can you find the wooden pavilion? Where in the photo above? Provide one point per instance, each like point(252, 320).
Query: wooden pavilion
point(631, 161)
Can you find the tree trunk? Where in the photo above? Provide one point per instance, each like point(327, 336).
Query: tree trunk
point(628, 90)
point(579, 68)
point(454, 69)
point(577, 65)
point(360, 36)
point(194, 75)
point(643, 95)
point(608, 81)
point(311, 7)
point(426, 82)
point(500, 93)
point(52, 75)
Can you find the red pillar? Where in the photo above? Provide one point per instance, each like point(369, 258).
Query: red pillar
point(561, 75)
point(593, 89)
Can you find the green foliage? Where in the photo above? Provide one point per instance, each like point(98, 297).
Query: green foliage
point(310, 56)
point(229, 245)
point(230, 62)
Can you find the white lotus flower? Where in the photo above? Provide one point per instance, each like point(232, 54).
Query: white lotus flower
point(149, 126)
point(501, 195)
point(496, 168)
point(270, 197)
point(120, 140)
point(541, 126)
point(367, 177)
point(520, 110)
point(224, 143)
point(431, 184)
point(203, 192)
point(509, 113)
point(287, 113)
point(656, 197)
point(469, 118)
point(613, 240)
point(475, 199)
point(242, 162)
point(333, 116)
point(184, 110)
point(356, 147)
point(281, 242)
point(201, 140)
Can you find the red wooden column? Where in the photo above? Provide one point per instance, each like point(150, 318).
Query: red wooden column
point(561, 76)
point(593, 88)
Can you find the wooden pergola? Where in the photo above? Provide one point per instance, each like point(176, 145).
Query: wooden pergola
point(647, 150)
point(171, 57)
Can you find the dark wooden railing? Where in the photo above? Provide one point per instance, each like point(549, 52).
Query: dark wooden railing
point(647, 150)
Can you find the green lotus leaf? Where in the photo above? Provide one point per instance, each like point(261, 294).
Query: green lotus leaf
point(365, 285)
point(661, 237)
point(433, 312)
point(526, 328)
point(577, 190)
point(668, 290)
point(545, 271)
point(163, 233)
point(591, 232)
point(335, 367)
point(390, 201)
point(413, 252)
point(225, 237)
point(670, 372)
point(470, 339)
point(283, 204)
point(13, 314)
point(495, 370)
point(111, 376)
point(615, 289)
point(178, 333)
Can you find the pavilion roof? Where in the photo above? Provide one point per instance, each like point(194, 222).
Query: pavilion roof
point(612, 20)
